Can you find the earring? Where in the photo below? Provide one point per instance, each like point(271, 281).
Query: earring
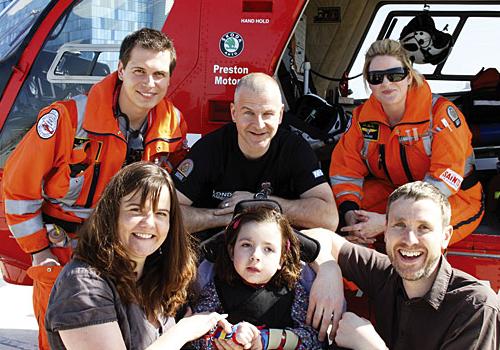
point(160, 251)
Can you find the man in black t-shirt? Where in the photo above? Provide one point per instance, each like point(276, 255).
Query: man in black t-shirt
point(420, 301)
point(233, 163)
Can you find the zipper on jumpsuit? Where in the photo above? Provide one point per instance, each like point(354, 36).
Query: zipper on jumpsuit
point(381, 161)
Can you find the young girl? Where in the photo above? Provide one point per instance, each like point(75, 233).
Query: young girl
point(256, 283)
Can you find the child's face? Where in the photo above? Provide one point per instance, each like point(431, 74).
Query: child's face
point(257, 252)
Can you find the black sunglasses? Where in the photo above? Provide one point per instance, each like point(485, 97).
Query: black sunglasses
point(394, 75)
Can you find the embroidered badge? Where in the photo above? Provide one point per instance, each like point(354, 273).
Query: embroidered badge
point(453, 115)
point(47, 124)
point(184, 169)
point(79, 141)
point(452, 179)
point(370, 130)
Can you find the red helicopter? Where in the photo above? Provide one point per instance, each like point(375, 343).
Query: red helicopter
point(51, 50)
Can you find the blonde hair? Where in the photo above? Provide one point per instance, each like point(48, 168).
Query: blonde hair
point(389, 47)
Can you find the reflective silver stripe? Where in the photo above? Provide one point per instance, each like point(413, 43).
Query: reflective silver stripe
point(345, 193)
point(80, 212)
point(441, 186)
point(27, 227)
point(81, 105)
point(435, 97)
point(364, 150)
point(21, 207)
point(338, 179)
point(177, 115)
point(469, 164)
point(368, 166)
point(427, 140)
point(74, 190)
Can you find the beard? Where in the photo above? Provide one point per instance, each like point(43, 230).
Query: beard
point(412, 273)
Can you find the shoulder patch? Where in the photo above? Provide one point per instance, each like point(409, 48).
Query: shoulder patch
point(370, 130)
point(47, 124)
point(453, 115)
point(184, 169)
point(452, 179)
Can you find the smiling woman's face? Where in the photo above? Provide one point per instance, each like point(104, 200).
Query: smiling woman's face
point(143, 230)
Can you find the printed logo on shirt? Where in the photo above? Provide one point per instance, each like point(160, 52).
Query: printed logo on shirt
point(317, 173)
point(452, 179)
point(47, 124)
point(221, 195)
point(453, 115)
point(370, 130)
point(184, 169)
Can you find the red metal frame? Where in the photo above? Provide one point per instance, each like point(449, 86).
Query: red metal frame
point(22, 68)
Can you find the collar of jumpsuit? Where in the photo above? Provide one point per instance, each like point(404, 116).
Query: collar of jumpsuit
point(135, 138)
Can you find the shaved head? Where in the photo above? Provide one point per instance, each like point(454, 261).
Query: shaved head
point(257, 111)
point(258, 83)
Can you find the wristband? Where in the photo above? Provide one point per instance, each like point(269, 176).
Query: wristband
point(264, 337)
point(219, 333)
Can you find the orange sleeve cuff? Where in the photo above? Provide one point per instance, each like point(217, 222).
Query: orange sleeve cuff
point(35, 242)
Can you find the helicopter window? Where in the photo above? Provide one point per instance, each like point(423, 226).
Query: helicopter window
point(15, 23)
point(471, 27)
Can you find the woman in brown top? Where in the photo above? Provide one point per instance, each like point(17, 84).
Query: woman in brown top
point(130, 271)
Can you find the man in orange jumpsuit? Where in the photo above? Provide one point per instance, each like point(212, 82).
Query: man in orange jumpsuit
point(59, 170)
point(432, 143)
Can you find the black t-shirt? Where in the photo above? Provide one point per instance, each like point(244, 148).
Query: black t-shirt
point(215, 168)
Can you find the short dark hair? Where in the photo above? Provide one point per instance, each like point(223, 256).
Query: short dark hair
point(420, 190)
point(289, 273)
point(150, 39)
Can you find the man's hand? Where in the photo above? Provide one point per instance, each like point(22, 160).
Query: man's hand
point(228, 204)
point(358, 333)
point(363, 226)
point(44, 258)
point(326, 299)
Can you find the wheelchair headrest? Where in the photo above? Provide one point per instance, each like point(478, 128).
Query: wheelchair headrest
point(210, 248)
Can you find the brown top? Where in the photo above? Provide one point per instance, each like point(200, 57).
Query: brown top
point(82, 297)
point(457, 313)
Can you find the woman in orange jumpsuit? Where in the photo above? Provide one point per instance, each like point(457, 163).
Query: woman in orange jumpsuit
point(402, 133)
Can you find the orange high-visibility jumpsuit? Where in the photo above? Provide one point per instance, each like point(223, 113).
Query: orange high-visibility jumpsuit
point(62, 165)
point(432, 143)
